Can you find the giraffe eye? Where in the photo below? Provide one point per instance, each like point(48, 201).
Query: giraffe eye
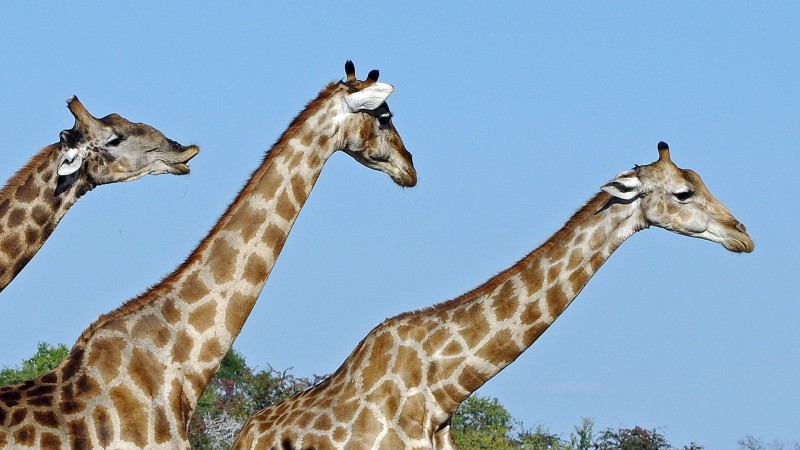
point(383, 119)
point(684, 195)
point(114, 141)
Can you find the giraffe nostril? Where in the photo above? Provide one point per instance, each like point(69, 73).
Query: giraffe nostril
point(740, 226)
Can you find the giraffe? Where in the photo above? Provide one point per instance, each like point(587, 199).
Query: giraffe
point(404, 380)
point(135, 375)
point(93, 152)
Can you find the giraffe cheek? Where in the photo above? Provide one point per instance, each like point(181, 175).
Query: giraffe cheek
point(692, 222)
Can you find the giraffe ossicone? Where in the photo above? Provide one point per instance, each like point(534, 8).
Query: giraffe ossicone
point(404, 380)
point(134, 377)
point(38, 195)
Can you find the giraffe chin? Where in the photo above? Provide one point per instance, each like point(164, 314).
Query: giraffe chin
point(178, 165)
point(179, 169)
point(405, 179)
point(739, 245)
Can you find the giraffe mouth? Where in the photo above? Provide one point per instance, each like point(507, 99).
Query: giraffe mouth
point(405, 178)
point(180, 169)
point(737, 239)
point(178, 164)
point(739, 244)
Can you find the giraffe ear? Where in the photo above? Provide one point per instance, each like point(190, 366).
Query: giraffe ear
point(69, 169)
point(370, 97)
point(70, 162)
point(626, 186)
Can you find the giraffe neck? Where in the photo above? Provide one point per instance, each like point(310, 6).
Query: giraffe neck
point(29, 210)
point(183, 326)
point(402, 383)
point(489, 327)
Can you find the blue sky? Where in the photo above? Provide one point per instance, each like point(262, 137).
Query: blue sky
point(515, 115)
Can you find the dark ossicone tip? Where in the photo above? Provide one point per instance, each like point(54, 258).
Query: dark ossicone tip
point(373, 75)
point(350, 70)
point(663, 146)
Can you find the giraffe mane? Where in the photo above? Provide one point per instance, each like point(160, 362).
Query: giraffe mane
point(162, 286)
point(594, 205)
point(21, 175)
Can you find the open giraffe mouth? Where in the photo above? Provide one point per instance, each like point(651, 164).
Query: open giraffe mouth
point(178, 164)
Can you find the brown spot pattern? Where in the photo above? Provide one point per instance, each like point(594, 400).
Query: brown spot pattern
point(274, 237)
point(79, 435)
point(202, 318)
point(40, 215)
point(162, 428)
point(575, 259)
point(181, 347)
point(476, 330)
point(25, 435)
point(499, 349)
point(533, 279)
point(306, 138)
point(170, 312)
point(193, 288)
point(556, 301)
point(505, 302)
point(247, 222)
point(17, 417)
point(103, 426)
point(150, 327)
point(50, 441)
point(211, 350)
point(223, 260)
point(256, 270)
point(285, 207)
point(409, 365)
point(15, 217)
point(28, 191)
point(146, 371)
point(239, 307)
point(133, 413)
point(45, 418)
point(106, 356)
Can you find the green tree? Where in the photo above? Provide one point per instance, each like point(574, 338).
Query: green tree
point(581, 436)
point(481, 423)
point(750, 442)
point(636, 438)
point(235, 391)
point(47, 357)
point(540, 438)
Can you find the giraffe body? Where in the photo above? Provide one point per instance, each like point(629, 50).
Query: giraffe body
point(93, 152)
point(404, 380)
point(134, 377)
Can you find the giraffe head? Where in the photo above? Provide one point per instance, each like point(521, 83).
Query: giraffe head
point(677, 200)
point(113, 149)
point(370, 137)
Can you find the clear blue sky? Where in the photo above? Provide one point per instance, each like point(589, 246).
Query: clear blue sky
point(515, 114)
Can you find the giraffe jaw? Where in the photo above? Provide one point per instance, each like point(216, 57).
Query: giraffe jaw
point(178, 164)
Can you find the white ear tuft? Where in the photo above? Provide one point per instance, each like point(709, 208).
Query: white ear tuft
point(625, 186)
point(70, 162)
point(370, 97)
